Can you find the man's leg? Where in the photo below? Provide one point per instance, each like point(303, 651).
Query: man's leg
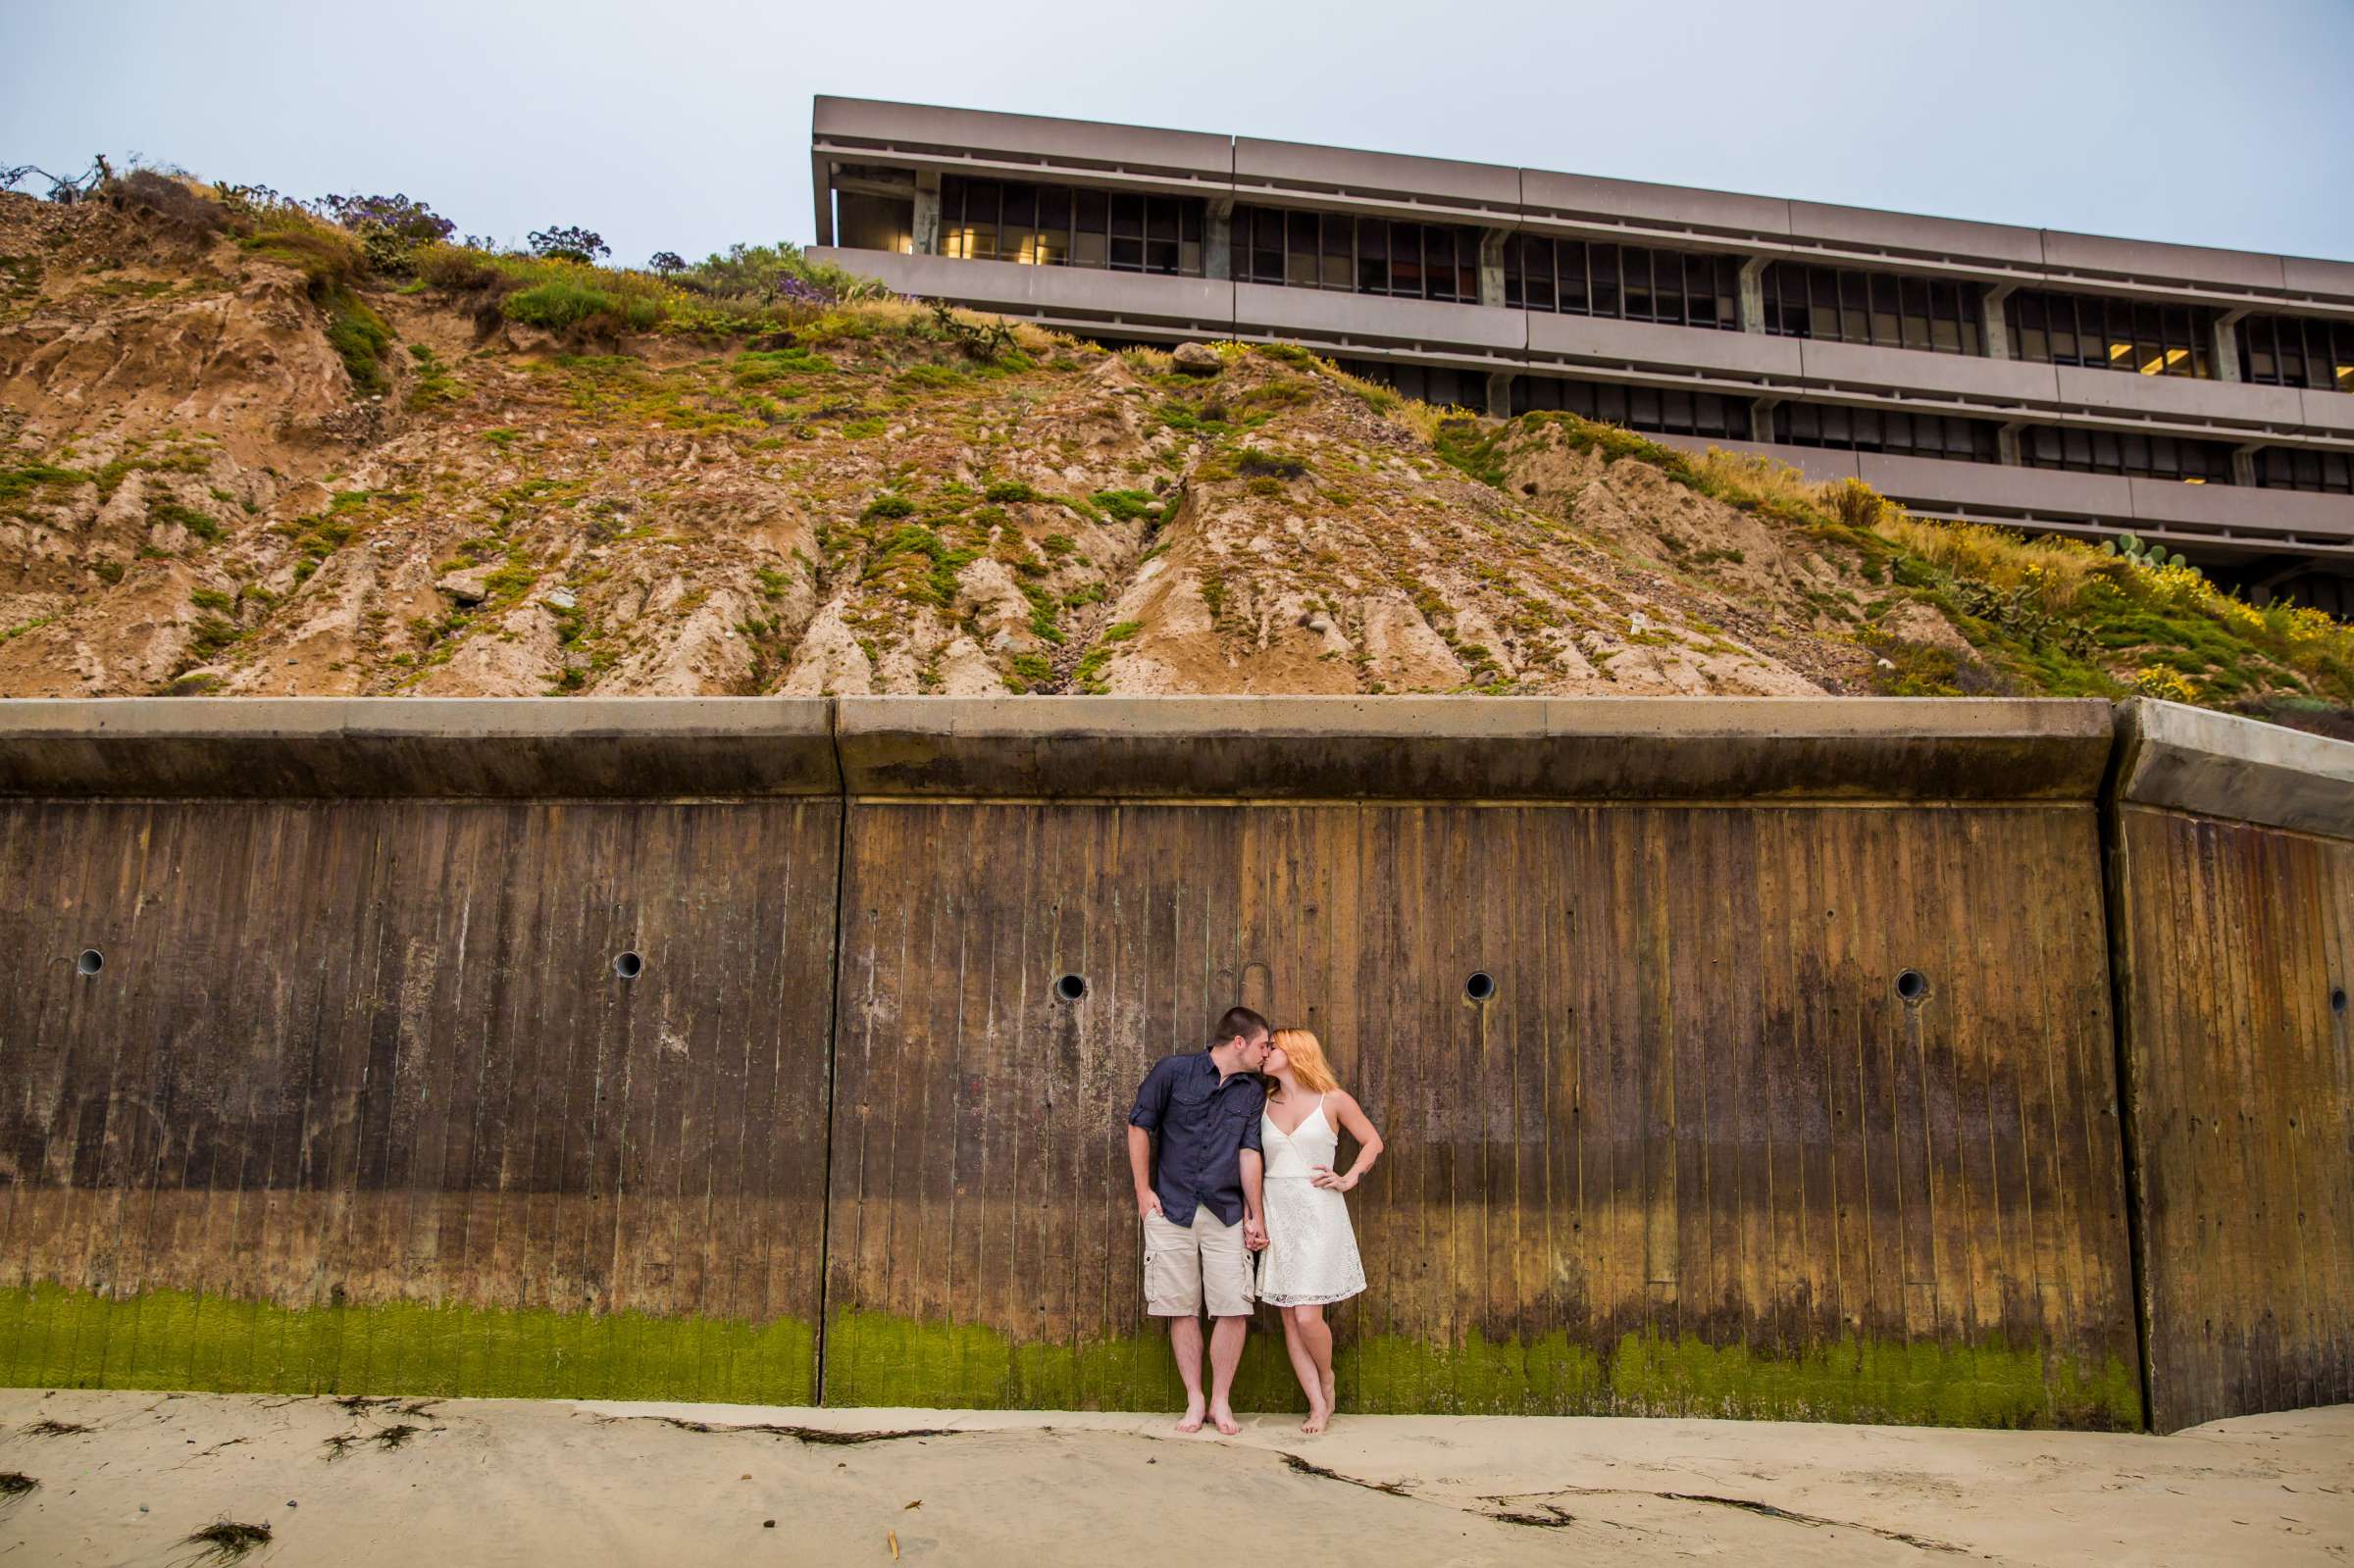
point(1173, 1291)
point(1185, 1342)
point(1225, 1354)
point(1226, 1286)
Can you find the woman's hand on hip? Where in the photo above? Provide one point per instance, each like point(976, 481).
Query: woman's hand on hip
point(1327, 1178)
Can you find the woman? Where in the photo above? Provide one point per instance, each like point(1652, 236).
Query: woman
point(1310, 1260)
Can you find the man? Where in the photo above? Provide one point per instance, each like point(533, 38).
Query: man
point(1200, 1201)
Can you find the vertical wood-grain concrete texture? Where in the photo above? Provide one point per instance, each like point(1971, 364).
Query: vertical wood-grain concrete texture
point(1697, 1154)
point(2232, 880)
point(356, 1100)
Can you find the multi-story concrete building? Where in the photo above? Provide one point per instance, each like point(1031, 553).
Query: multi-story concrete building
point(2063, 383)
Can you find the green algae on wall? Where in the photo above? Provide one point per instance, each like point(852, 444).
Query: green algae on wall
point(1986, 1385)
point(55, 1338)
point(51, 1337)
point(874, 1358)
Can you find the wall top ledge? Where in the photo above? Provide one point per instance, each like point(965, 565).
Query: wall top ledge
point(1439, 749)
point(2219, 765)
point(1436, 748)
point(362, 747)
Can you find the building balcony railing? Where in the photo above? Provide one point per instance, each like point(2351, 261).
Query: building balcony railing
point(1751, 364)
point(1570, 341)
point(1081, 296)
point(2219, 520)
point(1355, 322)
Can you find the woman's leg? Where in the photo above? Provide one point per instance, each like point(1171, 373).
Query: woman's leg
point(1303, 1367)
point(1315, 1339)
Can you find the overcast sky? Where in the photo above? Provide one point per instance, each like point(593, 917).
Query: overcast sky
point(684, 126)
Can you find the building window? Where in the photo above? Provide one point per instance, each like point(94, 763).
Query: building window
point(1625, 282)
point(1880, 309)
point(866, 221)
point(1663, 411)
point(1897, 431)
point(1357, 255)
point(1060, 225)
point(2292, 351)
point(2285, 468)
point(1440, 386)
point(2119, 334)
point(2144, 457)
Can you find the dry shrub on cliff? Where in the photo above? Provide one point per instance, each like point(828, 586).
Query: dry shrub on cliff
point(174, 203)
point(2001, 557)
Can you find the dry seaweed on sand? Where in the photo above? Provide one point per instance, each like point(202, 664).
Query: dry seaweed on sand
point(1307, 1467)
point(227, 1541)
point(16, 1483)
point(55, 1429)
point(386, 1438)
point(823, 1436)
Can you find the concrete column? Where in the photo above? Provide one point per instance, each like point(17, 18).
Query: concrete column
point(924, 228)
point(1996, 325)
point(2226, 345)
point(1761, 419)
point(1491, 266)
point(1500, 394)
point(1218, 240)
point(2243, 463)
point(1753, 293)
point(2006, 443)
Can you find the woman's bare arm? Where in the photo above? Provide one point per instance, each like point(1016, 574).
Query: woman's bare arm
point(1369, 1145)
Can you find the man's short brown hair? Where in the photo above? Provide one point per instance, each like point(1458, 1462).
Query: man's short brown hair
point(1240, 1023)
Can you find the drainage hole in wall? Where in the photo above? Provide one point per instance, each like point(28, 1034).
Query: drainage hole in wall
point(1480, 987)
point(1071, 988)
point(1912, 984)
point(629, 966)
point(91, 961)
point(2338, 999)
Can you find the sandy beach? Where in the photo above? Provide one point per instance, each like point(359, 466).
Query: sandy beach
point(129, 1478)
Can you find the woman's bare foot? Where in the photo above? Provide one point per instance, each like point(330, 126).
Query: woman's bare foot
point(1191, 1421)
point(1225, 1420)
point(1318, 1417)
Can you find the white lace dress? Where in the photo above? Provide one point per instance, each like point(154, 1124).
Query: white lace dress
point(1312, 1257)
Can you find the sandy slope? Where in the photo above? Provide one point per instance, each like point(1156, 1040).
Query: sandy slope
point(499, 1482)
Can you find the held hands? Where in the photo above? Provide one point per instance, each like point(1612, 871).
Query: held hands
point(1254, 1233)
point(1326, 1177)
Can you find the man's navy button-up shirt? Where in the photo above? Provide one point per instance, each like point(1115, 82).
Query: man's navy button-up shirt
point(1205, 1125)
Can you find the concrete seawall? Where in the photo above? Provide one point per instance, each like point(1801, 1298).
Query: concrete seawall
point(2231, 893)
point(773, 1050)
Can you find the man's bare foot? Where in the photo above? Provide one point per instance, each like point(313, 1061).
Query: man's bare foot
point(1225, 1420)
point(1318, 1417)
point(1191, 1421)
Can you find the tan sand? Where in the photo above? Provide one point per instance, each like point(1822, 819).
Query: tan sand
point(506, 1482)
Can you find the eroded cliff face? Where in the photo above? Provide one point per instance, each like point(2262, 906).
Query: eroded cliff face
point(193, 497)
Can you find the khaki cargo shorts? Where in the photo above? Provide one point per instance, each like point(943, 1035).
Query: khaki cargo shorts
point(1186, 1266)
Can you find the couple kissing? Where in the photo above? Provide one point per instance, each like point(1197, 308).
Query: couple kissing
point(1247, 1133)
